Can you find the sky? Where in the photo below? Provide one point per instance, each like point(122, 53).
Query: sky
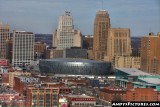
point(41, 16)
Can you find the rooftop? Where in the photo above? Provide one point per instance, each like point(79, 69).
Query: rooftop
point(73, 60)
point(80, 96)
point(151, 80)
point(132, 71)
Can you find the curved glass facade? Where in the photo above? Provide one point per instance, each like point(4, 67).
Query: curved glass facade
point(75, 67)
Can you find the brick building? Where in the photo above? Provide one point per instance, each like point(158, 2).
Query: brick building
point(128, 94)
point(81, 100)
point(42, 96)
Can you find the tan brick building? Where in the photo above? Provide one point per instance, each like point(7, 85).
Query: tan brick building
point(150, 53)
point(100, 39)
point(120, 42)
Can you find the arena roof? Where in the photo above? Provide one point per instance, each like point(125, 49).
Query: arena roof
point(75, 60)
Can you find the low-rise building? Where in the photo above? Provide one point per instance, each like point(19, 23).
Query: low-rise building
point(130, 93)
point(22, 82)
point(16, 73)
point(81, 100)
point(42, 96)
point(9, 97)
point(137, 77)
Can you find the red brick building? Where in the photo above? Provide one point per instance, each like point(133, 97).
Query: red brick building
point(5, 78)
point(42, 96)
point(129, 94)
point(81, 100)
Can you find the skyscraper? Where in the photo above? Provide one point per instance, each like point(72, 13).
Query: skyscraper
point(150, 53)
point(23, 48)
point(4, 36)
point(100, 39)
point(65, 35)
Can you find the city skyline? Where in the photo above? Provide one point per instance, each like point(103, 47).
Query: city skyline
point(141, 17)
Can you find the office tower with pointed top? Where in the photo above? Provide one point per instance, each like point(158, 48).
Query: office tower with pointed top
point(66, 36)
point(100, 39)
point(4, 36)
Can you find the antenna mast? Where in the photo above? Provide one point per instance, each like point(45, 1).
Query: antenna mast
point(102, 4)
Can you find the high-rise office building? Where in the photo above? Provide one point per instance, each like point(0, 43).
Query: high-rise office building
point(150, 53)
point(120, 42)
point(23, 48)
point(4, 36)
point(65, 36)
point(100, 39)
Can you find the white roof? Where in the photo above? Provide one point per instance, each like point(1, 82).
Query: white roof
point(151, 80)
point(133, 71)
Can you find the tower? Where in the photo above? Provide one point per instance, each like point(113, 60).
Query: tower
point(65, 36)
point(100, 39)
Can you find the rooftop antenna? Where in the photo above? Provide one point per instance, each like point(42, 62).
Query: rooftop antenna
point(102, 5)
point(150, 30)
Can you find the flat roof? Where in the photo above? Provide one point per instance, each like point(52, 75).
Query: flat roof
point(80, 96)
point(133, 71)
point(151, 80)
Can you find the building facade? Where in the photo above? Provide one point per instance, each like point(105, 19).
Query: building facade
point(130, 94)
point(23, 48)
point(39, 50)
point(120, 42)
point(9, 50)
point(72, 52)
point(100, 39)
point(138, 78)
point(54, 53)
point(16, 73)
point(66, 36)
point(75, 53)
point(126, 62)
point(42, 97)
point(4, 36)
point(88, 42)
point(150, 53)
point(81, 101)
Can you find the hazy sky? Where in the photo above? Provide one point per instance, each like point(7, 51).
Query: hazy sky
point(41, 16)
